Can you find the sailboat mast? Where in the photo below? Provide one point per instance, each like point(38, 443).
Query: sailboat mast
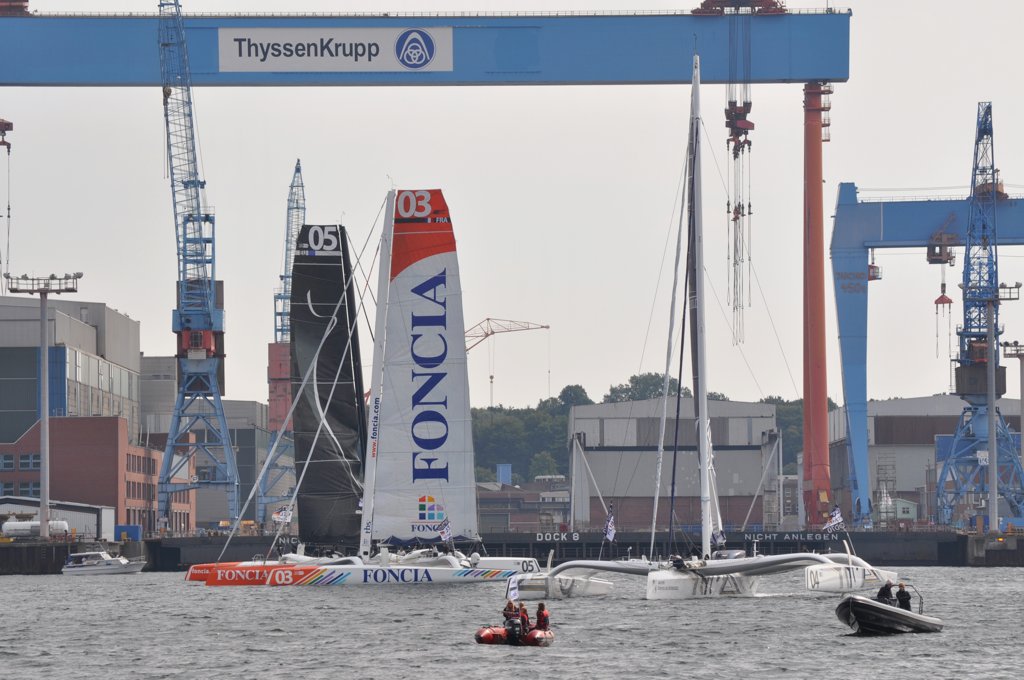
point(377, 375)
point(700, 393)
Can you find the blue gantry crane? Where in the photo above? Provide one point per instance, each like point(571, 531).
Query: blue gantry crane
point(980, 462)
point(939, 226)
point(279, 356)
point(199, 450)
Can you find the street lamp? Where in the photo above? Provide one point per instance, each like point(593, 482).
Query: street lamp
point(43, 286)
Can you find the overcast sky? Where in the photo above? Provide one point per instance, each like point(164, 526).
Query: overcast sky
point(562, 198)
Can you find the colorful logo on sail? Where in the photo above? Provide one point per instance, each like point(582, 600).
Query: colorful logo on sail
point(414, 48)
point(430, 514)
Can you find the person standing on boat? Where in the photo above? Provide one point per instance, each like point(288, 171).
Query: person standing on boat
point(524, 618)
point(509, 612)
point(885, 593)
point(543, 620)
point(903, 598)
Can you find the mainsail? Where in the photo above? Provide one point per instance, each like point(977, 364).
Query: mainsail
point(329, 422)
point(421, 470)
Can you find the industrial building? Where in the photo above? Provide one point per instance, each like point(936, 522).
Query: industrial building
point(85, 522)
point(902, 456)
point(97, 455)
point(616, 462)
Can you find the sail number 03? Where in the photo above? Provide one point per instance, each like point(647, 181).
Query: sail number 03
point(413, 204)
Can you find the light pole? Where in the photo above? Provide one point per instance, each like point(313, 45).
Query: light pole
point(43, 286)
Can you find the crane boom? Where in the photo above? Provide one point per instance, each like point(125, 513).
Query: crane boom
point(279, 359)
point(296, 218)
point(489, 327)
point(197, 321)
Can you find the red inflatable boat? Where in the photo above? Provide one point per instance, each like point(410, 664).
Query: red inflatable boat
point(499, 635)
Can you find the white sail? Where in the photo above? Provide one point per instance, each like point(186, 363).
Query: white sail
point(420, 429)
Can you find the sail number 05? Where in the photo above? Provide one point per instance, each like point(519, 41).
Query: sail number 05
point(413, 204)
point(323, 237)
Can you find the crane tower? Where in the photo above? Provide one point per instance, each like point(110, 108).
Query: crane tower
point(981, 462)
point(199, 450)
point(279, 355)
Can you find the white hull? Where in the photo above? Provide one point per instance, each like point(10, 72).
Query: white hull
point(391, 575)
point(741, 576)
point(671, 584)
point(546, 587)
point(844, 578)
point(100, 564)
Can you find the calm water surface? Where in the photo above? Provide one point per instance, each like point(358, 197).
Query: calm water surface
point(157, 626)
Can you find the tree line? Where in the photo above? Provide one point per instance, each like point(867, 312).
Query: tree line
point(535, 440)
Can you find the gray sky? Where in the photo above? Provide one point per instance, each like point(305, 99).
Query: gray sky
point(562, 198)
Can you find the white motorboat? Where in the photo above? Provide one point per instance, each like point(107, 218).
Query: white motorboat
point(100, 563)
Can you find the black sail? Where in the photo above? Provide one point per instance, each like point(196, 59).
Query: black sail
point(329, 421)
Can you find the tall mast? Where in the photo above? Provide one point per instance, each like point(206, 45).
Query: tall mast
point(700, 389)
point(377, 375)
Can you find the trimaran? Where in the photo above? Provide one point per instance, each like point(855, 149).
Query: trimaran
point(418, 481)
point(715, 571)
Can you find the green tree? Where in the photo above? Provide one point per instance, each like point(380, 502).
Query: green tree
point(543, 464)
point(717, 396)
point(574, 395)
point(486, 474)
point(643, 386)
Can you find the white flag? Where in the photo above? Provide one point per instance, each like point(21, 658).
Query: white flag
point(512, 589)
point(609, 527)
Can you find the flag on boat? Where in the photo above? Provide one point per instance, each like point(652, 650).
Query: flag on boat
point(609, 527)
point(718, 538)
point(512, 590)
point(835, 522)
point(282, 515)
point(445, 527)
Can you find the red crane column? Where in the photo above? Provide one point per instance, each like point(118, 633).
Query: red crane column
point(817, 478)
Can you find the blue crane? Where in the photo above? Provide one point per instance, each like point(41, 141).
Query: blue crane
point(279, 374)
point(199, 450)
point(981, 459)
point(296, 218)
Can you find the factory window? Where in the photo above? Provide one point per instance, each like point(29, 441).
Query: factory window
point(29, 461)
point(6, 488)
point(127, 489)
point(6, 462)
point(28, 489)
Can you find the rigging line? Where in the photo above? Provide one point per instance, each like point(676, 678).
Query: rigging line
point(376, 254)
point(775, 330)
point(291, 410)
point(676, 201)
point(7, 249)
point(740, 348)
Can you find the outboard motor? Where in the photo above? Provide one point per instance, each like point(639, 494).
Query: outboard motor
point(513, 630)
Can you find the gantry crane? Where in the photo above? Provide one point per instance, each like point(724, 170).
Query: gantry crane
point(982, 462)
point(198, 424)
point(279, 356)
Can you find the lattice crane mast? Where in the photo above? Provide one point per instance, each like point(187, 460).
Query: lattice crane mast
point(296, 218)
point(489, 327)
point(279, 356)
point(971, 469)
point(198, 441)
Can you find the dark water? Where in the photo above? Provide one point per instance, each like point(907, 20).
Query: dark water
point(157, 626)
